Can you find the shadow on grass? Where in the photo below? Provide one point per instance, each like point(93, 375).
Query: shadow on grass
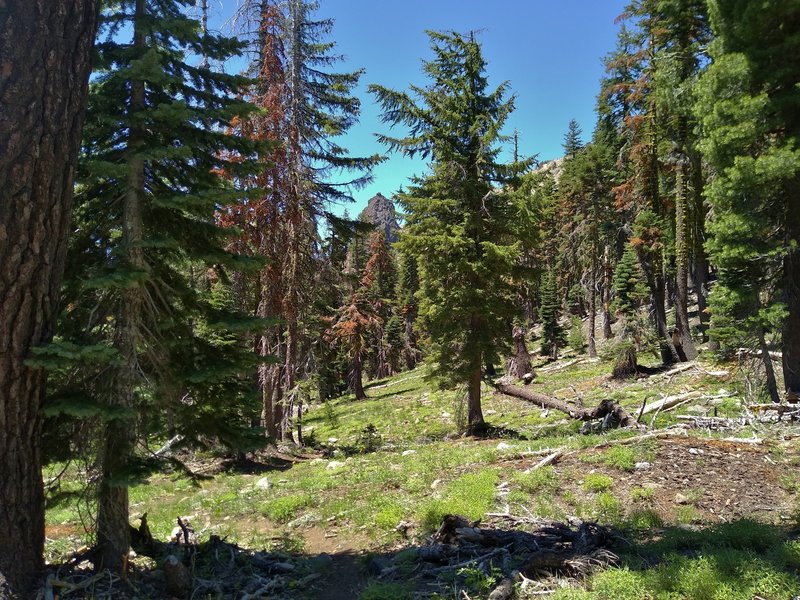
point(487, 431)
point(740, 560)
point(264, 464)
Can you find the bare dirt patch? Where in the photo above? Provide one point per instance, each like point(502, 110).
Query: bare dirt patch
point(722, 480)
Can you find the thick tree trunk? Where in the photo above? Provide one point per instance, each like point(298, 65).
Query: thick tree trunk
point(356, 376)
point(45, 49)
point(655, 282)
point(113, 529)
point(771, 382)
point(409, 350)
point(687, 349)
point(593, 304)
point(520, 362)
point(265, 383)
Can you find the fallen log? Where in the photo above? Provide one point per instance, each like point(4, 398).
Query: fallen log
point(669, 402)
point(606, 409)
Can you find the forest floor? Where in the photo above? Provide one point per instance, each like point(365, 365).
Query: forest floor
point(701, 502)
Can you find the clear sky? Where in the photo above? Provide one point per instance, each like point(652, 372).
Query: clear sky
point(549, 51)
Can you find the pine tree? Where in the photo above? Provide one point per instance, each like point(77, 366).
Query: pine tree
point(394, 340)
point(149, 185)
point(628, 287)
point(307, 107)
point(572, 139)
point(749, 108)
point(553, 335)
point(354, 325)
point(458, 222)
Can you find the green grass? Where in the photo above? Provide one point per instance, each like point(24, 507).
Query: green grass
point(641, 494)
point(737, 561)
point(534, 482)
point(597, 482)
point(376, 590)
point(372, 486)
point(471, 495)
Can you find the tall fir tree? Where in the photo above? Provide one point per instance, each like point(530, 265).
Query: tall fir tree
point(308, 107)
point(458, 221)
point(572, 139)
point(148, 187)
point(553, 336)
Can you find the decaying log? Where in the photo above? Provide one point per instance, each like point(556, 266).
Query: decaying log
point(606, 408)
point(669, 402)
point(505, 590)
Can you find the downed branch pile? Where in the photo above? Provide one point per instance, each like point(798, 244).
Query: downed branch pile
point(185, 569)
point(549, 548)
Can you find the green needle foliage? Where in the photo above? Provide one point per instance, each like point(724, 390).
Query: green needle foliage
point(459, 222)
point(553, 335)
point(749, 106)
point(148, 342)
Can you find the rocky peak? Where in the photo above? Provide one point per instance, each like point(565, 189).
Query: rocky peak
point(381, 213)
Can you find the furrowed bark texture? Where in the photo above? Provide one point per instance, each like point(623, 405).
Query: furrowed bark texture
point(45, 50)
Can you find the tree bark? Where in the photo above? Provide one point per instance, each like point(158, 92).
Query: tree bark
point(791, 324)
point(356, 375)
point(682, 266)
point(771, 383)
point(593, 302)
point(45, 51)
point(475, 422)
point(520, 362)
point(409, 350)
point(113, 528)
point(700, 259)
point(265, 384)
point(607, 283)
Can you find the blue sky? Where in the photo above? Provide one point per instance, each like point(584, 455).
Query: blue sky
point(550, 52)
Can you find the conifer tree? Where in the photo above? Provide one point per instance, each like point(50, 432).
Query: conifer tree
point(458, 222)
point(572, 139)
point(749, 108)
point(407, 288)
point(378, 284)
point(149, 185)
point(307, 108)
point(553, 335)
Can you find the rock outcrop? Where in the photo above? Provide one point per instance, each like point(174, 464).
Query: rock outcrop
point(381, 213)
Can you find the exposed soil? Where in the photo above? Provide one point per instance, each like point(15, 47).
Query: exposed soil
point(722, 480)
